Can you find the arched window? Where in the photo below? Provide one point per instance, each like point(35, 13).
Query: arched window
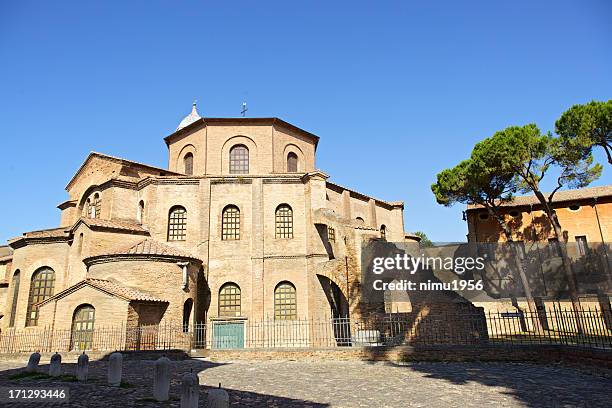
point(95, 206)
point(15, 284)
point(230, 223)
point(188, 164)
point(141, 212)
point(292, 163)
point(239, 160)
point(383, 231)
point(82, 327)
point(177, 224)
point(360, 220)
point(229, 300)
point(187, 307)
point(284, 221)
point(285, 302)
point(41, 287)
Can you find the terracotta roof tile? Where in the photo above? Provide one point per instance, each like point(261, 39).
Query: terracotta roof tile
point(110, 287)
point(122, 291)
point(113, 224)
point(560, 196)
point(48, 233)
point(151, 247)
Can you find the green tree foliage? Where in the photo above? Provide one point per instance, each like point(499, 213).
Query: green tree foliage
point(425, 241)
point(583, 127)
point(530, 155)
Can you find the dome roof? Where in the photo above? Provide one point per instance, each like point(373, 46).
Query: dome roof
point(189, 119)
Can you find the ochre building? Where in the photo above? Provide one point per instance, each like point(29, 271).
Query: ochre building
point(241, 225)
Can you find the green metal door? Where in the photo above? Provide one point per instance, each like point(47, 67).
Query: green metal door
point(228, 335)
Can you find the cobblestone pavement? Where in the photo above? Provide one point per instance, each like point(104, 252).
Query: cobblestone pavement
point(339, 384)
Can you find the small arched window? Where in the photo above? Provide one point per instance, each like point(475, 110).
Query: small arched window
point(187, 308)
point(15, 284)
point(80, 244)
point(360, 220)
point(41, 287)
point(239, 160)
point(229, 300)
point(188, 164)
point(96, 206)
point(383, 231)
point(177, 224)
point(292, 163)
point(284, 221)
point(141, 212)
point(230, 223)
point(285, 302)
point(83, 327)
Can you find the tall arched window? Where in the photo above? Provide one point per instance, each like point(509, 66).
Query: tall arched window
point(82, 327)
point(141, 212)
point(96, 206)
point(230, 223)
point(229, 300)
point(284, 221)
point(187, 308)
point(383, 231)
point(15, 285)
point(188, 164)
point(292, 163)
point(41, 287)
point(285, 302)
point(177, 224)
point(239, 160)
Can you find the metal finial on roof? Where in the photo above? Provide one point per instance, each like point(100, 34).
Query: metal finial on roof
point(192, 117)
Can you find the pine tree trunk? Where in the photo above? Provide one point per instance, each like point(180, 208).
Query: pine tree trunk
point(567, 263)
point(531, 304)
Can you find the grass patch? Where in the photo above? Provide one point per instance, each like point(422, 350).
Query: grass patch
point(68, 378)
point(24, 375)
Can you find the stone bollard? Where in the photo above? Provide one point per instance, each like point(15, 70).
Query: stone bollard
point(55, 366)
point(82, 369)
point(33, 362)
point(161, 379)
point(217, 398)
point(115, 366)
point(190, 390)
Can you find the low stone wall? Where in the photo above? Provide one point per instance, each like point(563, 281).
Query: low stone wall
point(522, 353)
point(71, 357)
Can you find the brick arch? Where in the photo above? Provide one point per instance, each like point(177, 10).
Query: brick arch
point(88, 192)
point(341, 283)
point(254, 164)
point(188, 148)
point(293, 148)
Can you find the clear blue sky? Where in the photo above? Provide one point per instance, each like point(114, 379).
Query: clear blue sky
point(397, 91)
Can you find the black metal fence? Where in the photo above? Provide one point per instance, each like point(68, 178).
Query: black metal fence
point(591, 328)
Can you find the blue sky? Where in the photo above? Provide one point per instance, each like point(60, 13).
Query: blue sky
point(397, 91)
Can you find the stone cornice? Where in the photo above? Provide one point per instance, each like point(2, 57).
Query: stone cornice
point(101, 259)
point(24, 241)
point(275, 122)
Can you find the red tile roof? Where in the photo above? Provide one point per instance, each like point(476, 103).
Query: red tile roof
point(560, 196)
point(110, 287)
point(151, 247)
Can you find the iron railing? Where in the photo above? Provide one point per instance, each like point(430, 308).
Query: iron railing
point(586, 328)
